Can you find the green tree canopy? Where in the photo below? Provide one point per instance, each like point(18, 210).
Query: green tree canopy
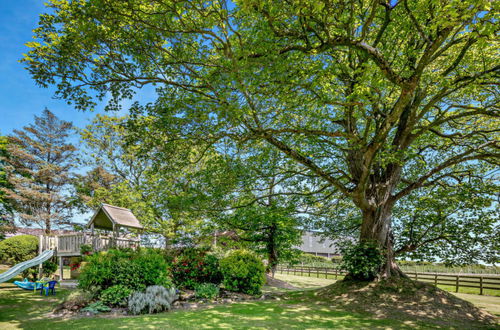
point(376, 100)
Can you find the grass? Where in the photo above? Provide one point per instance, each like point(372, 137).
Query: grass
point(450, 288)
point(23, 309)
point(299, 309)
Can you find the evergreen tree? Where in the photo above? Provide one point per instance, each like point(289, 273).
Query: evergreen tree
point(38, 170)
point(5, 207)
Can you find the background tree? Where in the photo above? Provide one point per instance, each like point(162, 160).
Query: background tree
point(6, 215)
point(37, 168)
point(166, 196)
point(376, 100)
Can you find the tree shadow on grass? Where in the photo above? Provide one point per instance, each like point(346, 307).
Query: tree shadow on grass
point(406, 299)
point(267, 314)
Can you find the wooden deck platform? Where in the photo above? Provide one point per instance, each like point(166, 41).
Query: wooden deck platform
point(70, 245)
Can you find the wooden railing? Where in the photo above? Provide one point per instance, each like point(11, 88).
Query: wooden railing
point(319, 272)
point(71, 244)
point(452, 281)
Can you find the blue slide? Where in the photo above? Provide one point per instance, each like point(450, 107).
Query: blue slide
point(19, 268)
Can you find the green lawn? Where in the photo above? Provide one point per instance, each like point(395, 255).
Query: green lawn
point(450, 288)
point(23, 309)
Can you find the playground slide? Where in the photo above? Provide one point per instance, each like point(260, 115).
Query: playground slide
point(44, 256)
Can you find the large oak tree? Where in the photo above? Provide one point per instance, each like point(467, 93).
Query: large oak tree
point(375, 99)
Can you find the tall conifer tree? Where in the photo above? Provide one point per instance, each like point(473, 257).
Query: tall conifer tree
point(38, 170)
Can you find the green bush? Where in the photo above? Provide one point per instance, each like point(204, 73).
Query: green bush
point(195, 266)
point(75, 300)
point(16, 249)
point(206, 291)
point(116, 295)
point(48, 268)
point(134, 270)
point(85, 249)
point(243, 271)
point(97, 307)
point(362, 261)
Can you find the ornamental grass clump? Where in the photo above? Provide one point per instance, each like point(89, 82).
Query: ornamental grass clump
point(155, 299)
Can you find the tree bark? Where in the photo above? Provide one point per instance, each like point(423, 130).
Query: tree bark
point(272, 253)
point(376, 227)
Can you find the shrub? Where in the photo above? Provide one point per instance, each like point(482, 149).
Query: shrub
point(76, 300)
point(206, 291)
point(85, 249)
point(116, 295)
point(17, 249)
point(243, 271)
point(155, 299)
point(133, 269)
point(48, 268)
point(97, 307)
point(362, 261)
point(195, 266)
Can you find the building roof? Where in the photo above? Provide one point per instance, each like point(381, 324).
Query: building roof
point(107, 215)
point(313, 243)
point(15, 231)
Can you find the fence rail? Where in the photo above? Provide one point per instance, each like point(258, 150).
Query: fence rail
point(480, 282)
point(71, 244)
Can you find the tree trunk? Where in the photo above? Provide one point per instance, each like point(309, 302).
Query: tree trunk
point(376, 227)
point(272, 252)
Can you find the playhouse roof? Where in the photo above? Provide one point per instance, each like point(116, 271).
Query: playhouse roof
point(107, 215)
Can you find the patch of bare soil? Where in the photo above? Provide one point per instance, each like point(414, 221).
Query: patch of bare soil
point(407, 299)
point(274, 282)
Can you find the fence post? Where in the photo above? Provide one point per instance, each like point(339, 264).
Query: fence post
point(336, 273)
point(435, 279)
point(481, 285)
point(326, 272)
point(416, 276)
point(309, 271)
point(317, 272)
point(456, 284)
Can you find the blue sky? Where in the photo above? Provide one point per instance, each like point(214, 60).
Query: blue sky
point(20, 98)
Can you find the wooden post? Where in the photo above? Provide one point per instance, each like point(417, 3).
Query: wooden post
point(480, 285)
point(113, 236)
point(317, 272)
point(336, 273)
point(61, 276)
point(416, 276)
point(435, 279)
point(456, 284)
point(92, 236)
point(40, 250)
